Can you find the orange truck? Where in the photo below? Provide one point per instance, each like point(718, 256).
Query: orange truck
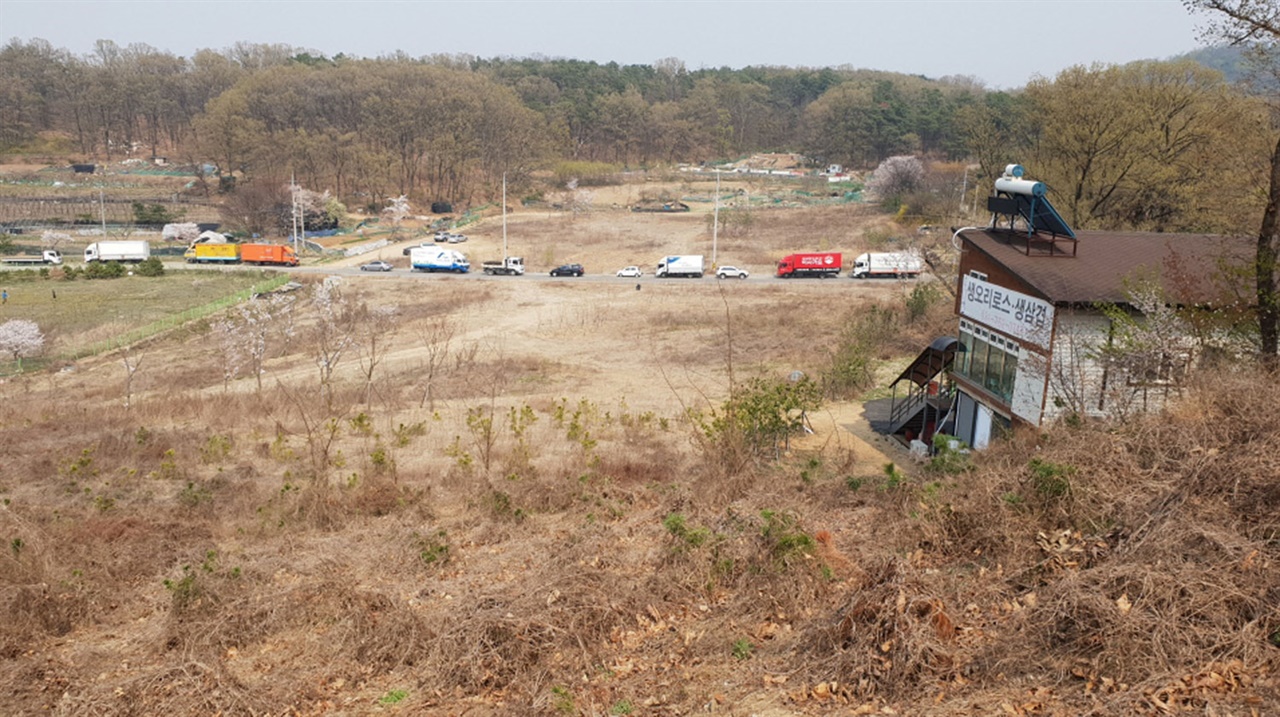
point(277, 254)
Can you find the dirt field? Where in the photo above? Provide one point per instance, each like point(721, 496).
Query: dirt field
point(458, 496)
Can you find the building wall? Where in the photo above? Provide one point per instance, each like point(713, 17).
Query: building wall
point(1080, 383)
point(1077, 380)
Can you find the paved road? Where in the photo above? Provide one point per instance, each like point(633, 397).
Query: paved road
point(477, 275)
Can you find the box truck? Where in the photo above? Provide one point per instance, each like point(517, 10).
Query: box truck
point(131, 250)
point(435, 259)
point(896, 264)
point(689, 266)
point(213, 254)
point(818, 265)
point(268, 254)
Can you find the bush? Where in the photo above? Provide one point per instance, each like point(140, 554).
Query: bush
point(923, 296)
point(154, 214)
point(151, 267)
point(851, 367)
point(101, 270)
point(759, 419)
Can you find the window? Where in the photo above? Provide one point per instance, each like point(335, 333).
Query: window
point(990, 361)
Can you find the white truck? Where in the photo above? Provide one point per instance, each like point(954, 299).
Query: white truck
point(688, 266)
point(899, 264)
point(48, 256)
point(131, 251)
point(437, 259)
point(511, 266)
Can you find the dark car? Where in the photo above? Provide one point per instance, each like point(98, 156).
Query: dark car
point(376, 266)
point(568, 270)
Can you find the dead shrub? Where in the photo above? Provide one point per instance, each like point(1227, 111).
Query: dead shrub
point(514, 638)
point(893, 637)
point(34, 612)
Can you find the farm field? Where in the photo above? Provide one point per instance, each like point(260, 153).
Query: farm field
point(451, 495)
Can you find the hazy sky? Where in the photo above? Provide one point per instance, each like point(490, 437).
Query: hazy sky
point(1003, 42)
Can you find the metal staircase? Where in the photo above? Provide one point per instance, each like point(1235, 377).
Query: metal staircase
point(927, 400)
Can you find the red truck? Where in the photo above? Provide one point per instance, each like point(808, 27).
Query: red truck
point(281, 254)
point(820, 265)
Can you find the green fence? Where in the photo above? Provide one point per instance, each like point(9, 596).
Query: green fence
point(172, 322)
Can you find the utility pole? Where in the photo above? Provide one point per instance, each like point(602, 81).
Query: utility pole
point(715, 222)
point(293, 214)
point(504, 218)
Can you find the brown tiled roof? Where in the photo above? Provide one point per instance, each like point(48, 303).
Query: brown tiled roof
point(1104, 261)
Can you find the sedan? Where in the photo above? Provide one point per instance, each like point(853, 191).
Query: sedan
point(631, 272)
point(568, 270)
point(731, 272)
point(376, 266)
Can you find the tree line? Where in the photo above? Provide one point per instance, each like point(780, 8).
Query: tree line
point(1164, 146)
point(448, 126)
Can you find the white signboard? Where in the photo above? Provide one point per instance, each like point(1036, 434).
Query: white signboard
point(1028, 386)
point(1010, 312)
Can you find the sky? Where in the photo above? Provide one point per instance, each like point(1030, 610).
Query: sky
point(1004, 43)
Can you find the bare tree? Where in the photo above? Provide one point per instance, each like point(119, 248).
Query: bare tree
point(132, 362)
point(1256, 24)
point(375, 328)
point(333, 334)
point(436, 340)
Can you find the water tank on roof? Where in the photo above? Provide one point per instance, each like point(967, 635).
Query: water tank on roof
point(1025, 187)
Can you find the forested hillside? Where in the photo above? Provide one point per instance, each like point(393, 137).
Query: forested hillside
point(1146, 145)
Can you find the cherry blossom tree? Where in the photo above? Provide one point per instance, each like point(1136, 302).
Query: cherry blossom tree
point(52, 240)
point(248, 333)
point(397, 210)
point(185, 232)
point(895, 177)
point(20, 338)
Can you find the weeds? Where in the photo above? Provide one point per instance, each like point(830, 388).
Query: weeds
point(894, 477)
point(687, 538)
point(950, 455)
point(783, 538)
point(433, 549)
point(216, 448)
point(562, 700)
point(393, 697)
point(404, 434)
point(1050, 480)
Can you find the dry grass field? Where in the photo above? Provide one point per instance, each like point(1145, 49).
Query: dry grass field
point(433, 495)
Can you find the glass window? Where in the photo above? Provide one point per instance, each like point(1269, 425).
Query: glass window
point(995, 368)
point(978, 365)
point(962, 360)
point(1010, 370)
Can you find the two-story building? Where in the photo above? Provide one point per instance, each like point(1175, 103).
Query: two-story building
point(1033, 334)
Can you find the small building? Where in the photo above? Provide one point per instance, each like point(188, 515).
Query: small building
point(1034, 331)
